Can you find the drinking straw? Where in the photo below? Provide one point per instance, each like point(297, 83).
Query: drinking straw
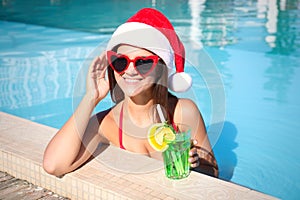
point(177, 163)
point(160, 113)
point(179, 159)
point(163, 119)
point(176, 158)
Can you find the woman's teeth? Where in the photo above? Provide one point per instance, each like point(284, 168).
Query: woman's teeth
point(131, 80)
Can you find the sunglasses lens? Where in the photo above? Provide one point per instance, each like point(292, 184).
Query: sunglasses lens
point(119, 63)
point(144, 65)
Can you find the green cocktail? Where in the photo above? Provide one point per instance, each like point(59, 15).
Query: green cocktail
point(176, 155)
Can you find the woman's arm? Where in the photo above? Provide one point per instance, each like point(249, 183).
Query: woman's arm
point(202, 158)
point(75, 142)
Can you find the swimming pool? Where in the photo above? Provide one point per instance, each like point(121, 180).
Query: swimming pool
point(254, 46)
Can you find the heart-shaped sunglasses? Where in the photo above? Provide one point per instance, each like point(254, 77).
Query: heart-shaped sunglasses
point(142, 64)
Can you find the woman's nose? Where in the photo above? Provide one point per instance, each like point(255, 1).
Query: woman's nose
point(131, 69)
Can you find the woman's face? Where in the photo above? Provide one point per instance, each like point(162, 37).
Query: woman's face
point(130, 81)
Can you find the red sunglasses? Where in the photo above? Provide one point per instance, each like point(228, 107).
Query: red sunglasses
point(143, 65)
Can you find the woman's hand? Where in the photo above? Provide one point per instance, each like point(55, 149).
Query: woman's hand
point(194, 157)
point(207, 164)
point(97, 86)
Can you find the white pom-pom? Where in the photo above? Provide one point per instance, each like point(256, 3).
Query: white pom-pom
point(180, 82)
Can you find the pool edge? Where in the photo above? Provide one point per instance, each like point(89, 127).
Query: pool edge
point(21, 151)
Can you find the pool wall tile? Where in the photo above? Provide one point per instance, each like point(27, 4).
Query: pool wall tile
point(21, 155)
point(1, 161)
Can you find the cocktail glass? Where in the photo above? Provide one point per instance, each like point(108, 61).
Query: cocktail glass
point(176, 156)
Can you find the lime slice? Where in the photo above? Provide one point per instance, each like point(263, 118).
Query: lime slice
point(158, 134)
point(165, 134)
point(152, 140)
point(169, 136)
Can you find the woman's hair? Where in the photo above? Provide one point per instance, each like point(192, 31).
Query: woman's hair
point(161, 95)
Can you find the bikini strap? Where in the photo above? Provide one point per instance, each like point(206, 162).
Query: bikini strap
point(120, 129)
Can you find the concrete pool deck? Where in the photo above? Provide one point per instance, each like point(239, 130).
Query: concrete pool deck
point(113, 174)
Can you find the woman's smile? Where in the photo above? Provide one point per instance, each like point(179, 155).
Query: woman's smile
point(132, 80)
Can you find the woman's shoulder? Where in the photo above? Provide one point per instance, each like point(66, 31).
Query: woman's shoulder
point(176, 102)
point(108, 121)
point(107, 114)
point(110, 115)
point(186, 103)
point(186, 110)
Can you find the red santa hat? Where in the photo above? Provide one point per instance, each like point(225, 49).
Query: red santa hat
point(151, 30)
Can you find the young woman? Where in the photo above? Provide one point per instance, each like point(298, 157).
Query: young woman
point(138, 61)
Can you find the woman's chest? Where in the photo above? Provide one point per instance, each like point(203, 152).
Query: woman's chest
point(132, 137)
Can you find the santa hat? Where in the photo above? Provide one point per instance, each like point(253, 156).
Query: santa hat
point(151, 30)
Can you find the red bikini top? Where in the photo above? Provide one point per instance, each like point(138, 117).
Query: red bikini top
point(120, 129)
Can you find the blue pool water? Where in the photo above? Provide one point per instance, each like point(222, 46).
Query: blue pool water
point(244, 56)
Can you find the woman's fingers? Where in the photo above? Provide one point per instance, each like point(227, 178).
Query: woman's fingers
point(96, 85)
point(101, 65)
point(194, 157)
point(98, 66)
point(194, 141)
